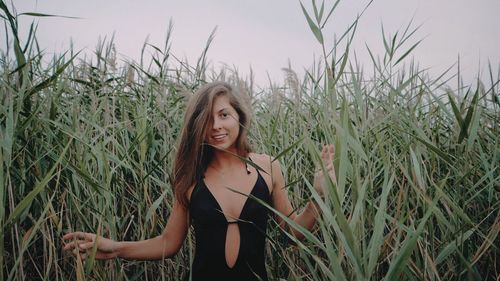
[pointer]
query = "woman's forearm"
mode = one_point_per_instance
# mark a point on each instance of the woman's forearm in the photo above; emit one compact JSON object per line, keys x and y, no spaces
{"x":163,"y":246}
{"x":306,"y":219}
{"x":151,"y":249}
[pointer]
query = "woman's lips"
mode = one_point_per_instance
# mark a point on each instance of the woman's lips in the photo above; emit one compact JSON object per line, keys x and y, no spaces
{"x":219,"y":137}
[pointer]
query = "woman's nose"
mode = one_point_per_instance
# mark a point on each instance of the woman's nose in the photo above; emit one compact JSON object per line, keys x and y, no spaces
{"x":216,"y":125}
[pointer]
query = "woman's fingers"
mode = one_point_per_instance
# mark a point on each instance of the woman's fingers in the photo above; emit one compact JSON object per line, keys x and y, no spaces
{"x":73,"y":244}
{"x":75,"y":249}
{"x":83,"y":255}
{"x":80,"y":242}
{"x":327,"y":156}
{"x":79,"y":235}
{"x":327,"y":153}
{"x":86,"y":246}
{"x":331,"y":152}
{"x":69,"y":236}
{"x":79,"y":247}
{"x":324,"y":152}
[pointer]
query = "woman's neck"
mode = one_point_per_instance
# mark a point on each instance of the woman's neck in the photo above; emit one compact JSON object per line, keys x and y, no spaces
{"x":225,"y":160}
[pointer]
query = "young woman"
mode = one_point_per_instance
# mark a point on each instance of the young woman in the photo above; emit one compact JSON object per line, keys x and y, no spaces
{"x":214,"y":189}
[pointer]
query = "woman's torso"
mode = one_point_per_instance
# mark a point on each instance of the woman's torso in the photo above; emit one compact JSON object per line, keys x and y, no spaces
{"x":211,"y":226}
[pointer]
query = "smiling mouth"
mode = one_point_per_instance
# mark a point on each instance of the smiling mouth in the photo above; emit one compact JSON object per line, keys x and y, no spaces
{"x":219,"y":137}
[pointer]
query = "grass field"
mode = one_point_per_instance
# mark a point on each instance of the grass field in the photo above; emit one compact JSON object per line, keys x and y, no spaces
{"x":87,"y":143}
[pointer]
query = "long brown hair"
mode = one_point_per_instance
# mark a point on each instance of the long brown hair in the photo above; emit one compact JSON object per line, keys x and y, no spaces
{"x":193,"y":155}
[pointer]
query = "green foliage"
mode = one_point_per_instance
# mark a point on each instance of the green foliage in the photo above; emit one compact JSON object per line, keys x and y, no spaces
{"x":88,"y":145}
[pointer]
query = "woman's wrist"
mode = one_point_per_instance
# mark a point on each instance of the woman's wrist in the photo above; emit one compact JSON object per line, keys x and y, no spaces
{"x":117,"y":249}
{"x":313,"y":208}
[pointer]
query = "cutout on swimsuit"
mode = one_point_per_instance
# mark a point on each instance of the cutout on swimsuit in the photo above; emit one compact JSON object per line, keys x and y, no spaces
{"x":227,"y":245}
{"x":232,"y":241}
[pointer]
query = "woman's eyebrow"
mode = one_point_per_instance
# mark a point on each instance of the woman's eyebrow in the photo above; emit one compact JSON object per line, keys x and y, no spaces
{"x":222,"y":109}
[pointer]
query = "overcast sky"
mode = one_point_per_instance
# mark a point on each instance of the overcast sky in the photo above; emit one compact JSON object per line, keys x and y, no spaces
{"x":265,"y":34}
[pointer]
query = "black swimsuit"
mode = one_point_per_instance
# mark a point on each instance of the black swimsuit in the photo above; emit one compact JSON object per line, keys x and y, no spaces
{"x":210,"y":227}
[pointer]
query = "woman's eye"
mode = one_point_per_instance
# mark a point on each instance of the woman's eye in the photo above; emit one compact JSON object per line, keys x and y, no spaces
{"x":224,"y":115}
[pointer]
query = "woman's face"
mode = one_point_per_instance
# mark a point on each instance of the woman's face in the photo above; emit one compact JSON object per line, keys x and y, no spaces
{"x":224,"y":127}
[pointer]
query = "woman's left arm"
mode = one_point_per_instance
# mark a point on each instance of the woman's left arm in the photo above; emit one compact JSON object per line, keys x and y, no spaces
{"x":281,"y":202}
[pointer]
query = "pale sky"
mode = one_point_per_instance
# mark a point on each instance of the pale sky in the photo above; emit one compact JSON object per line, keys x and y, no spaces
{"x":265,"y":34}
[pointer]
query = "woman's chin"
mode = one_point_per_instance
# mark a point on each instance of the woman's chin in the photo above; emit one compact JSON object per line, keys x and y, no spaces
{"x":223,"y":147}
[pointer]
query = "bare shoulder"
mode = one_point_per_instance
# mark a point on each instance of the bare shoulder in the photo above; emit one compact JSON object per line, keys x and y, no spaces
{"x":264,"y":161}
{"x":271,"y":169}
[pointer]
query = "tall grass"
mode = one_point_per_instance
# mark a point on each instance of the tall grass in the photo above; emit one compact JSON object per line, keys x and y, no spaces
{"x":87,"y":143}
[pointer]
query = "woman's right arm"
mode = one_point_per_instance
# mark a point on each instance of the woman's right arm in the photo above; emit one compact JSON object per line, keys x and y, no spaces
{"x":163,"y":246}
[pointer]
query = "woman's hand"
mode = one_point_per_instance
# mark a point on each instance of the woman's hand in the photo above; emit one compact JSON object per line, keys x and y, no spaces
{"x":82,"y":244}
{"x":320,"y":184}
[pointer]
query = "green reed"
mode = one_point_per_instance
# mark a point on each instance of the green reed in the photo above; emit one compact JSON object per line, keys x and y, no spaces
{"x":87,"y":143}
